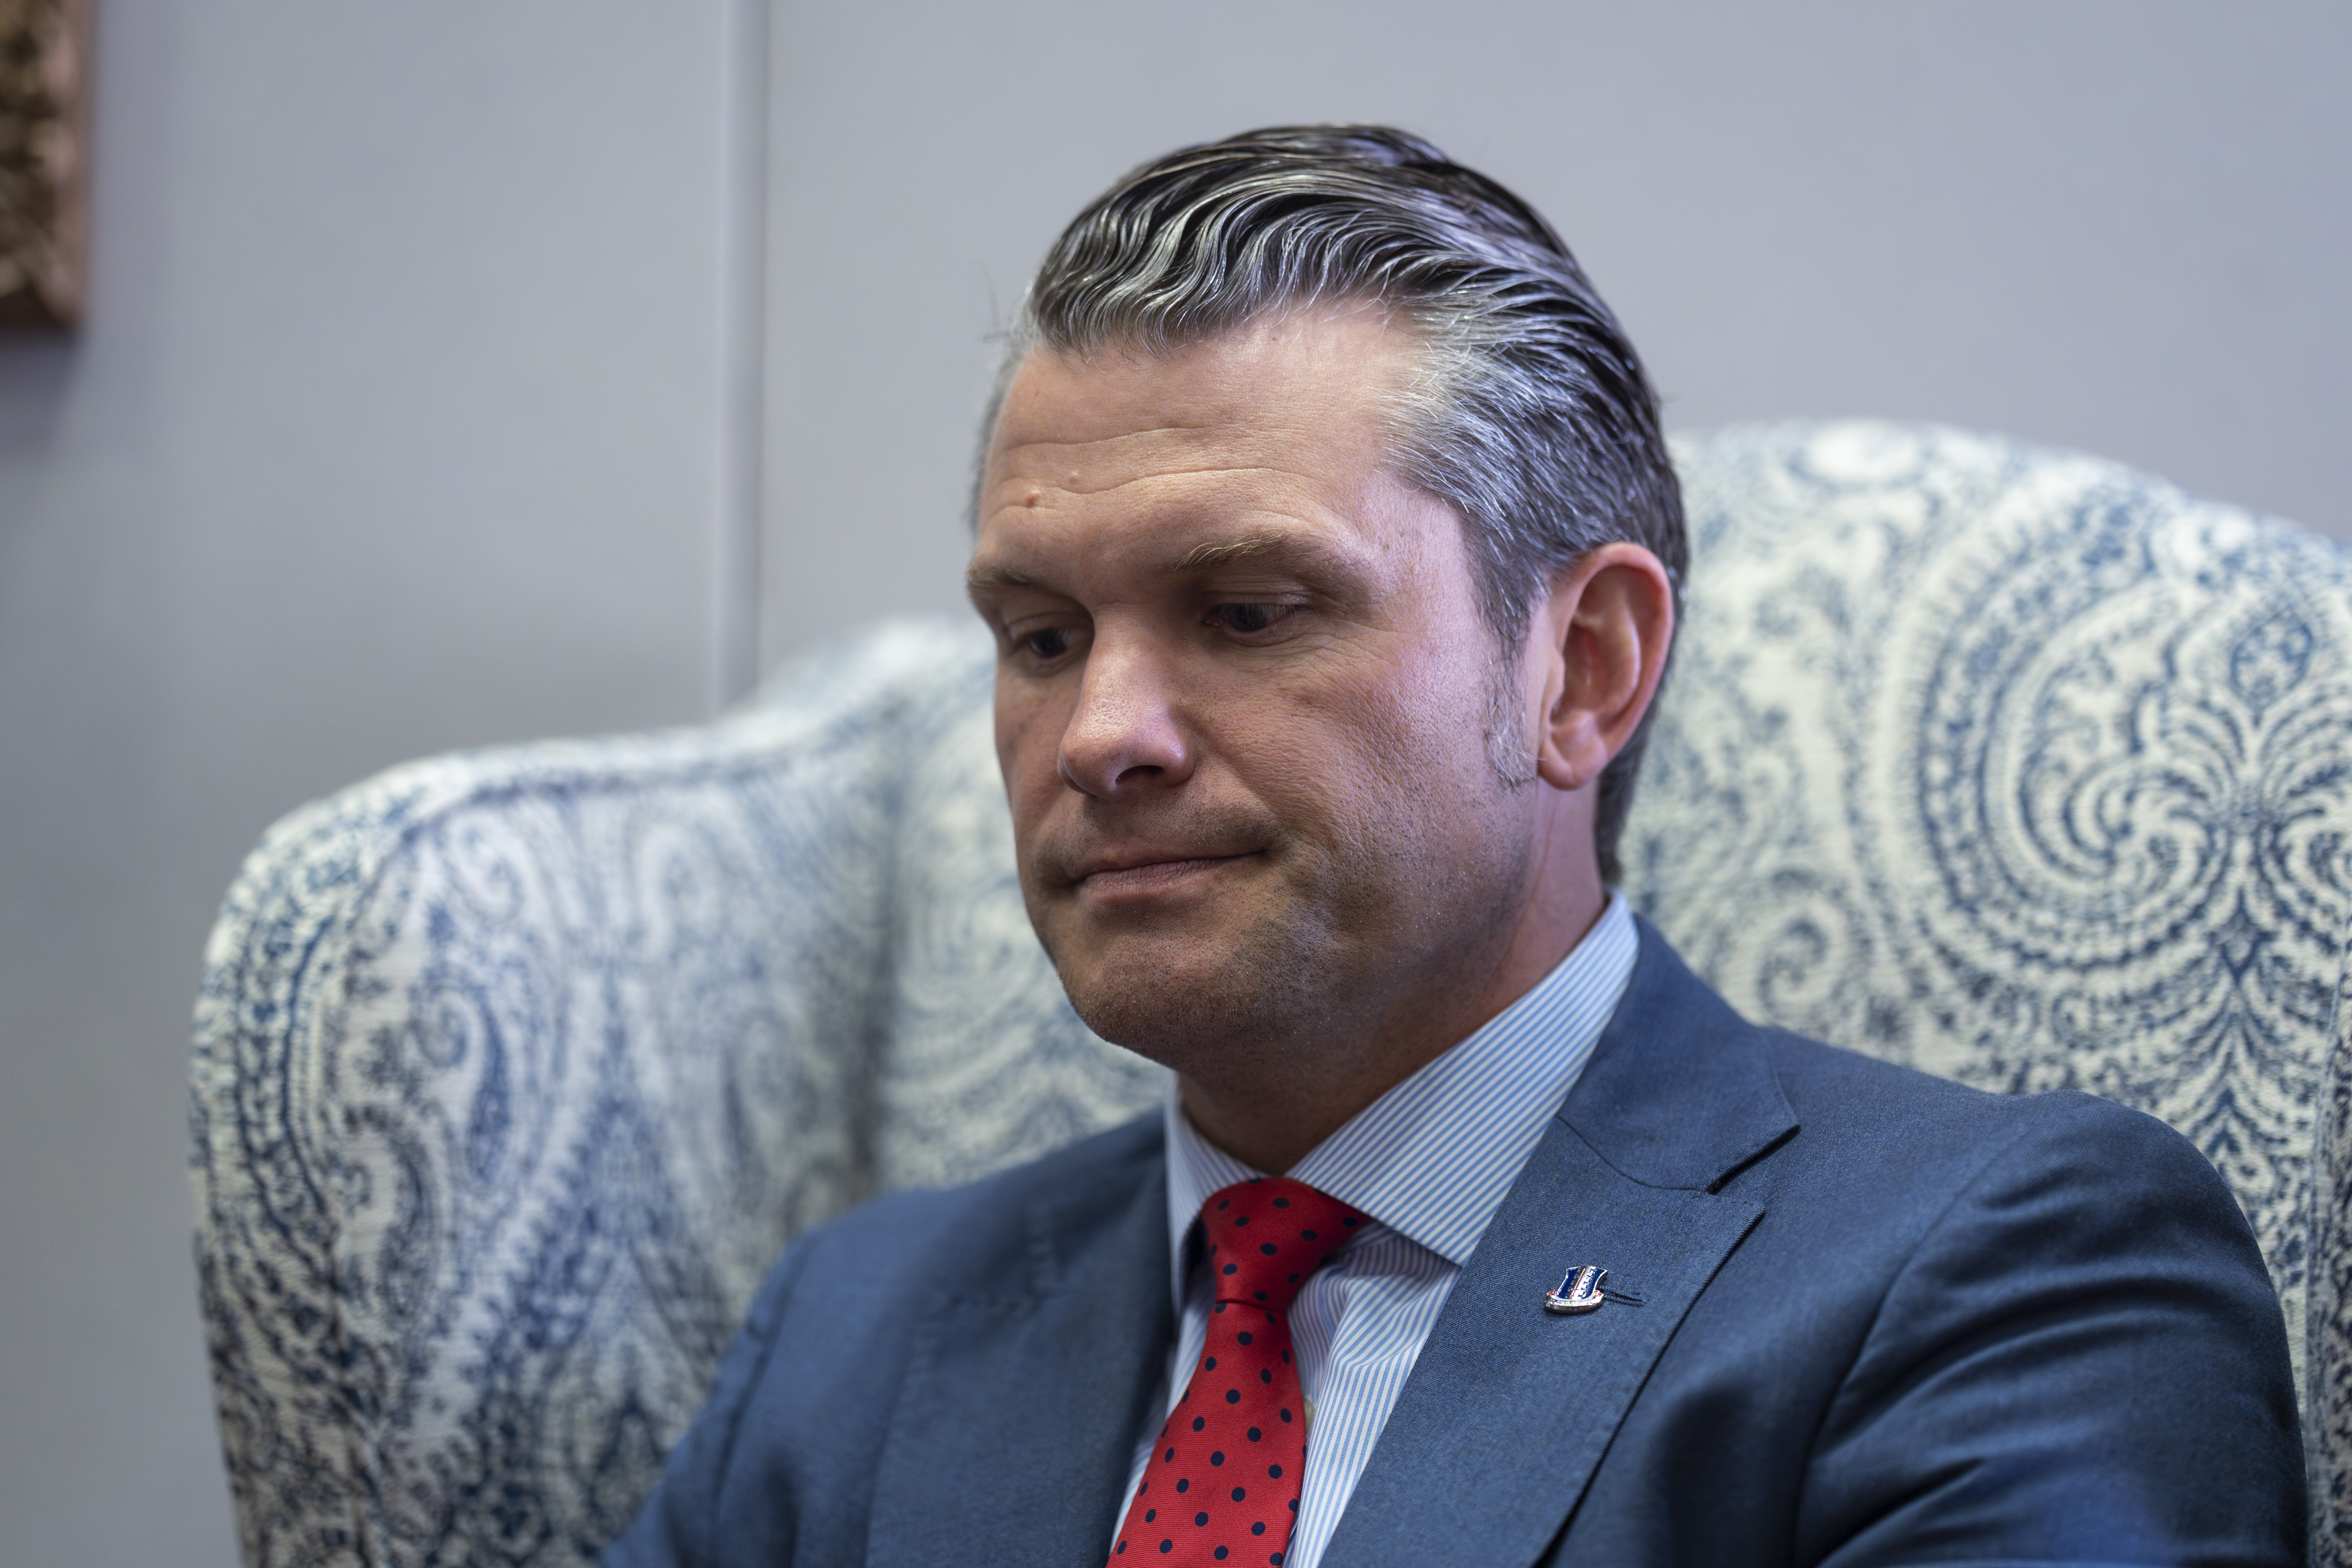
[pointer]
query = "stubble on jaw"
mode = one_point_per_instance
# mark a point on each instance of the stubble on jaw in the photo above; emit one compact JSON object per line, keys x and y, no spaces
{"x":1306,"y":977}
{"x":1254,"y":1008}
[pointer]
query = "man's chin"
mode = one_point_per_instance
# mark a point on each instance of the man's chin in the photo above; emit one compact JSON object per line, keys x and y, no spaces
{"x":1168,"y":998}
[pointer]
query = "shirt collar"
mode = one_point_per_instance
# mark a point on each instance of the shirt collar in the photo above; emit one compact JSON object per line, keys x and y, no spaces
{"x":1434,"y":1158}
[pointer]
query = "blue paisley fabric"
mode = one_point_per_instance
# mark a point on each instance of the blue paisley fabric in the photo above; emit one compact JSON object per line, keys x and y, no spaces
{"x":515,"y":1069}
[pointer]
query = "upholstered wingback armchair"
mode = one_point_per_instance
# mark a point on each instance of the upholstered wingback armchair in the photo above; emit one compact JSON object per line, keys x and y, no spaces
{"x":515,"y":1069}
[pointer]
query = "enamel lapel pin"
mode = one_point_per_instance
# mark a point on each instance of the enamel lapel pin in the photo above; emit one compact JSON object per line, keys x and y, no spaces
{"x":1582,"y":1291}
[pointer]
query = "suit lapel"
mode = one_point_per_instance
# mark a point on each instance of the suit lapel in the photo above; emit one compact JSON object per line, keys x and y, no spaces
{"x":1015,"y":1427}
{"x":1509,"y":1407}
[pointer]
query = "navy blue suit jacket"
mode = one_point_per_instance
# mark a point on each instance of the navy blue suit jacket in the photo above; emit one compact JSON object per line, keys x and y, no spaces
{"x":1884,"y":1319}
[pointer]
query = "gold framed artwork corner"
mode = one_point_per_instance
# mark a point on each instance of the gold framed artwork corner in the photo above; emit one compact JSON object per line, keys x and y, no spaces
{"x":44,"y":133}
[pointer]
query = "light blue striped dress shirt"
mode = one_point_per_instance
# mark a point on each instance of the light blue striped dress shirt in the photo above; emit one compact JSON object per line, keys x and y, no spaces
{"x":1429,"y":1162}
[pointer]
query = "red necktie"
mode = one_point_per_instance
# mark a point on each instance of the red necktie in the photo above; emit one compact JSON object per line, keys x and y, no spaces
{"x":1222,"y":1483}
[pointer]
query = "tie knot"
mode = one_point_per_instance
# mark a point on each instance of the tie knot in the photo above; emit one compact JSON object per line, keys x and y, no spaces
{"x":1266,"y":1237}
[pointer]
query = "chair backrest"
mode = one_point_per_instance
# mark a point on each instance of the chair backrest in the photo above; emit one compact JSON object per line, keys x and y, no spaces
{"x":515,"y":1069}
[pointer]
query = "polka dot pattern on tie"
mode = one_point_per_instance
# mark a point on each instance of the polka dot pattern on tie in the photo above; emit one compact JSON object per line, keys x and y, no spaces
{"x":1238,"y":1416}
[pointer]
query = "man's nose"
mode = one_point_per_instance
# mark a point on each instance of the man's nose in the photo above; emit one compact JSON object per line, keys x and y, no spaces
{"x":1124,"y":736}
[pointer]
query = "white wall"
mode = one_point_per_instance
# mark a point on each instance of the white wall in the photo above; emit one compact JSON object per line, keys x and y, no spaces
{"x":2114,"y":225}
{"x":397,"y":424}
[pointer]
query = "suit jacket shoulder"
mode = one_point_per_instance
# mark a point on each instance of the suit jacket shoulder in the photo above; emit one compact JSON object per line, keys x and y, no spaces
{"x":1884,"y":1319}
{"x":1024,"y":1304}
{"x":1013,"y":1234}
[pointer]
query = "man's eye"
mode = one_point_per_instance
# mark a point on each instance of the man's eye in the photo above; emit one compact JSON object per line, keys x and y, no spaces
{"x":1046,"y":645}
{"x":1248,"y":618}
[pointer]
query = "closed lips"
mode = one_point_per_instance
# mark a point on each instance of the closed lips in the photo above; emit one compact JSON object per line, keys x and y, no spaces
{"x":1142,"y":868}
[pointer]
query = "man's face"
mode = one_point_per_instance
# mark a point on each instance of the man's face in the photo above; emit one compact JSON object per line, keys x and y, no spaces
{"x":1243,"y":694}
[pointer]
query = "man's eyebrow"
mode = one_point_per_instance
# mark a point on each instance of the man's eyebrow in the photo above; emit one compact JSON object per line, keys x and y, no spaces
{"x":1199,"y":558}
{"x":992,"y":576}
{"x":1217,"y":552}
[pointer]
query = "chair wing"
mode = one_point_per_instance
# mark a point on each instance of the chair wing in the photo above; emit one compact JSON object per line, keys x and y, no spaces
{"x":514,"y":1070}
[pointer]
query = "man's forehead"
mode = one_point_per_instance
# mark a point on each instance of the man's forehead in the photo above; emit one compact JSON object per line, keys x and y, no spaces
{"x":1082,"y":450}
{"x":1274,"y":379}
{"x":1264,"y":447}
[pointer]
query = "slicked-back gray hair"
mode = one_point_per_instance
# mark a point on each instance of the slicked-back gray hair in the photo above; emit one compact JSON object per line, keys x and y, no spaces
{"x":1532,"y":417}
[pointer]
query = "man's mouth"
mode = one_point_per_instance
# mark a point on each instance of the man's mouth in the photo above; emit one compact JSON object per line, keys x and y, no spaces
{"x":1147,"y":873}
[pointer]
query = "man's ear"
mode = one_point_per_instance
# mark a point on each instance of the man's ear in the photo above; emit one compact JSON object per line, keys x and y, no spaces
{"x":1600,"y":638}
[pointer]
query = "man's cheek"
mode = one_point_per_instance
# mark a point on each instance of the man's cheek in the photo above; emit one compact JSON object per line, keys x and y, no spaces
{"x":1028,"y":756}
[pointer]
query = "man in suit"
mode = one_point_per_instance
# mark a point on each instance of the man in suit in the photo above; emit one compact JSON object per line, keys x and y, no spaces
{"x":1334,"y":558}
